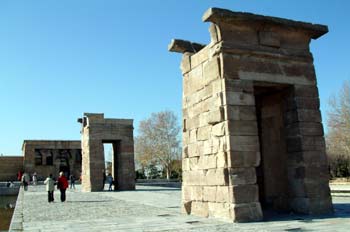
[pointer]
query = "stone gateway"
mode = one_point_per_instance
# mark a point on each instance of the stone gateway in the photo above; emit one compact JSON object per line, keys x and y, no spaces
{"x":252,"y":129}
{"x":96,"y":130}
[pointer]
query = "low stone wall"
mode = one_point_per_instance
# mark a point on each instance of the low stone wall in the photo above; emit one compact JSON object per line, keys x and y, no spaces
{"x":159,"y":182}
{"x":5,"y":191}
{"x":9,"y":167}
{"x":17,"y":218}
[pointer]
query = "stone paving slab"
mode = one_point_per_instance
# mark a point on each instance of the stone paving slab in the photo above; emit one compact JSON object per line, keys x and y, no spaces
{"x":150,"y":209}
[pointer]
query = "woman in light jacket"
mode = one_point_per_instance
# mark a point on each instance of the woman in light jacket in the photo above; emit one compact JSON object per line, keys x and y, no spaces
{"x":50,"y":187}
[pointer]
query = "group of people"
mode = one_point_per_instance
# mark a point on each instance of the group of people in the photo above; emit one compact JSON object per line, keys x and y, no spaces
{"x":62,"y":185}
{"x":24,"y":178}
{"x":50,"y":182}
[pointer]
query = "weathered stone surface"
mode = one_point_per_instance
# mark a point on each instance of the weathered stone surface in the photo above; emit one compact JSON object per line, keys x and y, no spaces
{"x":243,"y":193}
{"x":251,"y":95}
{"x":49,"y":157}
{"x":10,"y":165}
{"x":243,"y":158}
{"x":239,"y":127}
{"x":239,"y":99}
{"x":200,"y":208}
{"x":247,"y":212}
{"x":182,"y":46}
{"x":244,"y":143}
{"x":216,"y":116}
{"x":119,"y":132}
{"x":211,"y":70}
{"x":304,"y":128}
{"x":209,"y":193}
{"x":243,"y":113}
{"x":241,"y":176}
{"x":269,"y":38}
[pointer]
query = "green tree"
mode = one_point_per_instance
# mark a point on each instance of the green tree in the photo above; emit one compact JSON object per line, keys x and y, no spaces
{"x":158,"y":142}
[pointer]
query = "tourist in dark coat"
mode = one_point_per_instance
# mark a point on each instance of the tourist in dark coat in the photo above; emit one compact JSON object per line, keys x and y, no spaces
{"x":62,"y":185}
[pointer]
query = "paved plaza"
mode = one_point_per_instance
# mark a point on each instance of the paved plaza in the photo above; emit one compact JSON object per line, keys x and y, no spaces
{"x":148,"y":209}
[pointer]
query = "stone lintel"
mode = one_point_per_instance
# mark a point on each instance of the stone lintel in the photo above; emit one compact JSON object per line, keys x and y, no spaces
{"x":182,"y":46}
{"x":218,"y":16}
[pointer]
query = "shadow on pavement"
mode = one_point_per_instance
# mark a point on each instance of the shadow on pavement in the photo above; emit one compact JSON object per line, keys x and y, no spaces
{"x":341,"y":210}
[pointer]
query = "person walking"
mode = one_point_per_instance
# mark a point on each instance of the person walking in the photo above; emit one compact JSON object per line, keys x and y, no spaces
{"x":25,"y":181}
{"x":72,"y":181}
{"x":104,"y":179}
{"x":35,"y":179}
{"x":110,"y":181}
{"x":62,"y":185}
{"x":50,"y":188}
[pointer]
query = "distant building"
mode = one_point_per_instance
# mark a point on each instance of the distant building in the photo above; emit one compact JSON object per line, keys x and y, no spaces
{"x":52,"y":156}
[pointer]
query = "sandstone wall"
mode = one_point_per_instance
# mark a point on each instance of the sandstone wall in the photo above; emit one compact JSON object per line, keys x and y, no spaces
{"x":53,"y":147}
{"x":9,"y":167}
{"x":221,"y":148}
{"x":95,"y":132}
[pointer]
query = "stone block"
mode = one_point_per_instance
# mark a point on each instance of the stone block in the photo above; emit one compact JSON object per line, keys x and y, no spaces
{"x":186,"y":63}
{"x":243,"y":159}
{"x":321,"y":205}
{"x":302,"y":115}
{"x":296,"y":187}
{"x":239,"y":99}
{"x":200,"y":57}
{"x":203,"y":119}
{"x":239,"y":86}
{"x":244,"y":113}
{"x":218,"y":86}
{"x":203,"y":133}
{"x":243,"y":143}
{"x":247,"y":212}
{"x":221,"y":161}
{"x":269,"y":38}
{"x":241,"y":176}
{"x":214,"y":177}
{"x":294,"y":70}
{"x":192,"y":123}
{"x":219,"y":129}
{"x":197,"y":193}
{"x":209,"y":193}
{"x":184,"y":151}
{"x":306,"y":91}
{"x":316,"y":188}
{"x":216,"y":101}
{"x":304,"y":128}
{"x":319,"y":172}
{"x":193,"y":135}
{"x":239,"y":127}
{"x":200,"y":208}
{"x":300,"y":205}
{"x":305,"y":143}
{"x":193,"y":150}
{"x":194,"y":163}
{"x":213,"y":30}
{"x":216,"y":116}
{"x":186,"y":207}
{"x":186,"y":192}
{"x":303,"y":103}
{"x":219,"y":210}
{"x":311,"y":158}
{"x":185,"y":164}
{"x":207,"y":162}
{"x":243,"y":193}
{"x":211,"y":70}
{"x":223,"y":194}
{"x":229,"y":66}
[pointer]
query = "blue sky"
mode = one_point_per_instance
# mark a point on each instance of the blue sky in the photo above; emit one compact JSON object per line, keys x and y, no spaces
{"x":59,"y":59}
